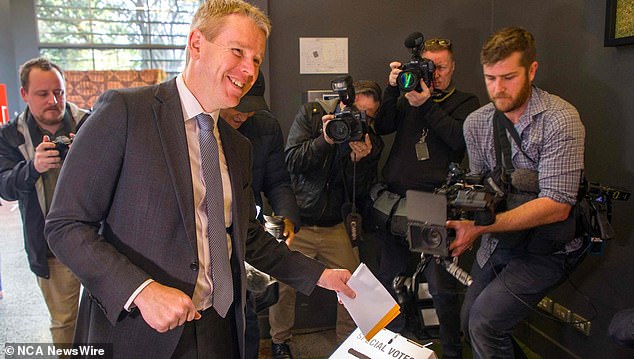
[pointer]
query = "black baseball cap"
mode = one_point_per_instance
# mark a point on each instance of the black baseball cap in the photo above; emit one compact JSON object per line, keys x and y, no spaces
{"x":254,"y":99}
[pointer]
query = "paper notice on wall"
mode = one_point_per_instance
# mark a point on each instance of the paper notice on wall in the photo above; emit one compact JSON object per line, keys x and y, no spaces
{"x":323,"y":55}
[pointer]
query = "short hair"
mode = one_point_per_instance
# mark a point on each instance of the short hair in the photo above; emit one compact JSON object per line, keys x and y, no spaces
{"x":211,"y":15}
{"x":369,"y":88}
{"x":438,"y":44}
{"x":505,"y":42}
{"x":41,"y":63}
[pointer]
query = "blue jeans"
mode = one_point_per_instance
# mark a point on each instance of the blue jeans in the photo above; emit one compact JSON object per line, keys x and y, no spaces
{"x":491,"y":307}
{"x":394,"y":258}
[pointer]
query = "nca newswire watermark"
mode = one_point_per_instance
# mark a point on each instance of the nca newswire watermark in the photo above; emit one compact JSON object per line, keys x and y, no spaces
{"x":50,"y":350}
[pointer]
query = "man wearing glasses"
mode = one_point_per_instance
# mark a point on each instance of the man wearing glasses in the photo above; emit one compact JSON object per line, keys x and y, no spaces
{"x":29,"y":167}
{"x":428,"y":126}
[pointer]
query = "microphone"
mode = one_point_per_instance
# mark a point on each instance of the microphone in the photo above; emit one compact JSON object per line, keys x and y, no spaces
{"x":414,"y":39}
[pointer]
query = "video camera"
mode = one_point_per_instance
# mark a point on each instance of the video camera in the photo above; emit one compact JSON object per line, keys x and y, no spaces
{"x":349,"y":124}
{"x":418,"y":68}
{"x":462,"y":197}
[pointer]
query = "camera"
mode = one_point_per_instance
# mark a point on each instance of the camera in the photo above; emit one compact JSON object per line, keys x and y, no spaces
{"x":350,"y":124}
{"x":418,"y":68}
{"x":462,"y":197}
{"x":62,"y":144}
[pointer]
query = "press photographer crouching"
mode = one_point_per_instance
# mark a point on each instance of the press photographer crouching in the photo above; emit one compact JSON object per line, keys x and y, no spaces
{"x":428,"y":125}
{"x":532,"y":244}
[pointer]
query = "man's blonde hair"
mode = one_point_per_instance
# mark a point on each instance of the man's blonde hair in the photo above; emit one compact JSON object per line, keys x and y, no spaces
{"x":211,"y":16}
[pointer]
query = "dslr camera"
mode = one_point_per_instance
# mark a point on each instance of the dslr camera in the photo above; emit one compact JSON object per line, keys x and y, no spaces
{"x":418,"y":68}
{"x":349,"y":124}
{"x":62,"y":144}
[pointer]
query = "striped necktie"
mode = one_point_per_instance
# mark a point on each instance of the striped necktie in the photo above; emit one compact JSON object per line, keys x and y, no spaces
{"x":222,"y":295}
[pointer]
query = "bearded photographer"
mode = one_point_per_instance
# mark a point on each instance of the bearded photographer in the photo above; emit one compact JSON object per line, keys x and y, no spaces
{"x":530,"y":246}
{"x":428,"y":126}
{"x":322,"y":179}
{"x":29,"y":168}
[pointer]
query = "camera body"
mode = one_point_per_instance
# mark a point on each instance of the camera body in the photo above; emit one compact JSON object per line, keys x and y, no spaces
{"x":462,"y":197}
{"x":62,"y":144}
{"x":418,"y":68}
{"x":349,"y":124}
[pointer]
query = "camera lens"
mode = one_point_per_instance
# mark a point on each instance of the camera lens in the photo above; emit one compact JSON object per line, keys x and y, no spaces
{"x":432,"y":237}
{"x":407,"y":80}
{"x":338,"y":130}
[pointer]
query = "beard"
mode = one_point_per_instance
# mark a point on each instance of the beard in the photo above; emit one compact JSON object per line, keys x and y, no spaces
{"x":504,"y":102}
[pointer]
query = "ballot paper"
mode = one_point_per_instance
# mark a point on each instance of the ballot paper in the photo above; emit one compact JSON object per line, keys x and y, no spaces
{"x":373,"y":308}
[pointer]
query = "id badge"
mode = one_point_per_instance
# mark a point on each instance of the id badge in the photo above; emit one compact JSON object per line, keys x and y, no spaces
{"x":422,"y":151}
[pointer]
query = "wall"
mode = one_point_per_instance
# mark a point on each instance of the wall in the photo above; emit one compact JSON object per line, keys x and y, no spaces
{"x":17,"y":22}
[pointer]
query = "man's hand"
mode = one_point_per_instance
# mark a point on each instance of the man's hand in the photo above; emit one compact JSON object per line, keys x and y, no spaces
{"x":360,"y":149}
{"x":336,"y":279}
{"x":395,"y":69}
{"x":415,"y":98}
{"x":45,"y":156}
{"x":325,"y":120}
{"x":164,"y":308}
{"x":466,"y":233}
{"x":289,"y":231}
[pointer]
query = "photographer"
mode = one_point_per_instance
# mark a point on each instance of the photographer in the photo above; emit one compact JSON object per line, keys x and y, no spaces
{"x":528,"y":249}
{"x":428,"y":127}
{"x":321,"y":176}
{"x":29,"y":167}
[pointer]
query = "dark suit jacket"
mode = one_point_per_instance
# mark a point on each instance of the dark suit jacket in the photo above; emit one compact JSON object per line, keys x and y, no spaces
{"x":123,"y":212}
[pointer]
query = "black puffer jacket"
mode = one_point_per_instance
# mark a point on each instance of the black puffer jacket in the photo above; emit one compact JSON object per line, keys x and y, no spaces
{"x":321,"y":173}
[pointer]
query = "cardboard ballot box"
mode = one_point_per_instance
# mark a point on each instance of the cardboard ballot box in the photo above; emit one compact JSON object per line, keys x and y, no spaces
{"x":385,"y":344}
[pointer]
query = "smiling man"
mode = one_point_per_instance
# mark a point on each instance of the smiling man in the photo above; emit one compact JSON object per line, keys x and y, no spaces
{"x":154,"y":211}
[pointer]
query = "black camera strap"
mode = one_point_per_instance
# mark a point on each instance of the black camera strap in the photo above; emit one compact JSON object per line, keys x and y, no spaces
{"x":501,"y":125}
{"x":503,"y":153}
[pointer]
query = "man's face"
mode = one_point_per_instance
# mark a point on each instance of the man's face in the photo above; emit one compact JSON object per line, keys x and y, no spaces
{"x":234,"y":117}
{"x":509,"y":83}
{"x":46,"y":96}
{"x":365,"y":102}
{"x":224,"y":69}
{"x":445,"y":67}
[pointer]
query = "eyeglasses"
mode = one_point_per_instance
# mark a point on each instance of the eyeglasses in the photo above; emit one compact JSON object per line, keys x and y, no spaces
{"x":445,"y":43}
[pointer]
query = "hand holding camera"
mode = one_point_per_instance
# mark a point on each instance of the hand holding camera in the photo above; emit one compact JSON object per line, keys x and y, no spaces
{"x":50,"y":154}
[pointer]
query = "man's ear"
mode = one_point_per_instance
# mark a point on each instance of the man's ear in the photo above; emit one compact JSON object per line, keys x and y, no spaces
{"x":194,"y":42}
{"x":532,"y":70}
{"x":23,"y":93}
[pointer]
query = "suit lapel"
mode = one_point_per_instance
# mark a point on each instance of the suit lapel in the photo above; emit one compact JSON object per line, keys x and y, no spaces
{"x":168,"y":115}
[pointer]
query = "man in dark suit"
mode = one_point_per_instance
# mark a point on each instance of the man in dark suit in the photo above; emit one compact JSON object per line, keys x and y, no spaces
{"x":148,"y":190}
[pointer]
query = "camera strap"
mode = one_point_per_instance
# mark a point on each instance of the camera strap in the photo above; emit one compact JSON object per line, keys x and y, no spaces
{"x":501,"y":125}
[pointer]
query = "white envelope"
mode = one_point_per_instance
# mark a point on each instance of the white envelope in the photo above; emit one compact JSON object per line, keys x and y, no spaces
{"x":373,"y":308}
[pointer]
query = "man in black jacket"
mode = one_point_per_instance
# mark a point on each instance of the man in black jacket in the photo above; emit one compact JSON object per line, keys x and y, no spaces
{"x":29,"y":167}
{"x":321,"y":174}
{"x":253,"y":119}
{"x":428,"y":127}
